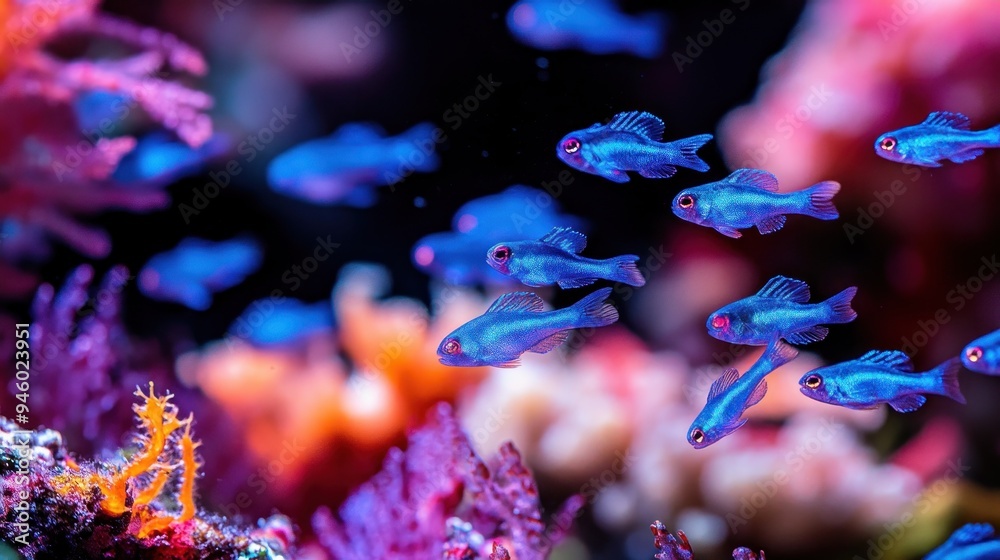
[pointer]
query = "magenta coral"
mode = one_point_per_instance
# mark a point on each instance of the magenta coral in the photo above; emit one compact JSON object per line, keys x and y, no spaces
{"x":438,"y":498}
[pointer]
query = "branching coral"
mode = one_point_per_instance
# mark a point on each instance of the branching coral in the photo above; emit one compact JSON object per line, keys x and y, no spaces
{"x":83,"y":360}
{"x":51,"y":508}
{"x":49,"y":167}
{"x":439,"y":496}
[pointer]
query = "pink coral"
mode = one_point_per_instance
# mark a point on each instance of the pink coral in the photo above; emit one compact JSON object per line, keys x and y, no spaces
{"x":439,"y":496}
{"x":49,"y":168}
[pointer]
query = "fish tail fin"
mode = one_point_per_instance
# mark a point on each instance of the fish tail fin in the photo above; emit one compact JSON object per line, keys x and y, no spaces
{"x":839,"y":306}
{"x":594,"y":312}
{"x":689,"y":151}
{"x":819,"y":201}
{"x":422,"y":135}
{"x":625,"y":271}
{"x":947,"y":373}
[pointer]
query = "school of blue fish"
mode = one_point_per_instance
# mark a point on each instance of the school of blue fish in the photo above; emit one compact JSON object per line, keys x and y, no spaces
{"x":780,"y":314}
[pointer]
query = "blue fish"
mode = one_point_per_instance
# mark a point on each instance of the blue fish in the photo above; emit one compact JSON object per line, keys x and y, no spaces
{"x":345,"y":167}
{"x":555,"y":259}
{"x":983,"y":354}
{"x":781,"y":309}
{"x":270,"y":322}
{"x":973,"y":541}
{"x":595,"y":26}
{"x":731,"y":394}
{"x":191,"y":272}
{"x":881,"y":376}
{"x":750,"y":197}
{"x":159,"y":160}
{"x":517,"y":323}
{"x":943,"y":135}
{"x":632,"y":141}
{"x":516,"y":214}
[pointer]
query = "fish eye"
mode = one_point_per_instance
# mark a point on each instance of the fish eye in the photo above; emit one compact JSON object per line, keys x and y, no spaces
{"x":888,"y":143}
{"x":452,"y":347}
{"x":974,"y":354}
{"x":697,"y":435}
{"x":720,"y":322}
{"x":685,"y":201}
{"x":571,"y":146}
{"x":813,"y":381}
{"x":501,"y":253}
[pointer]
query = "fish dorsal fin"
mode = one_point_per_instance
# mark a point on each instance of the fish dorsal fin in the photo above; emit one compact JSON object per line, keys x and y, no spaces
{"x":358,"y":132}
{"x":958,"y":121}
{"x":725,"y":381}
{"x":971,"y":533}
{"x":517,"y":302}
{"x":758,"y":393}
{"x":753,"y":178}
{"x":639,"y":122}
{"x":889,"y":358}
{"x":782,"y":287}
{"x":566,"y":239}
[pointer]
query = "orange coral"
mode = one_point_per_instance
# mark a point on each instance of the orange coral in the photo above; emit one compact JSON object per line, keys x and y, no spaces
{"x":158,"y":422}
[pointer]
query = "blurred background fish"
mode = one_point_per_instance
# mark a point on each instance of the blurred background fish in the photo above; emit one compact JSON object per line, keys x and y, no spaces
{"x":348,"y":165}
{"x":599,"y":28}
{"x":197,"y":268}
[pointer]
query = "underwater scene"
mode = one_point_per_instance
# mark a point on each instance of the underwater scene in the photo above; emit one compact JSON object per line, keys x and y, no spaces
{"x":500,"y":280}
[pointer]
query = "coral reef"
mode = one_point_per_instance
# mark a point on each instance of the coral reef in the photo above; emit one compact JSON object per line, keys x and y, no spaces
{"x":140,"y":505}
{"x":439,"y":495}
{"x":303,"y":405}
{"x":51,"y":168}
{"x":83,"y":360}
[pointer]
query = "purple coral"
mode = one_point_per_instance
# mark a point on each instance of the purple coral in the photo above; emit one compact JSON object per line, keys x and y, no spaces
{"x":669,"y":547}
{"x":440,"y":499}
{"x":82,"y":361}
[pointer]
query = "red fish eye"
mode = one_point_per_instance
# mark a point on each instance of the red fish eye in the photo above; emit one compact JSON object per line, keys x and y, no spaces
{"x":452,"y":347}
{"x":974,"y":354}
{"x":720,"y":322}
{"x":571,"y":146}
{"x":686,"y":201}
{"x":697,"y":435}
{"x":888,"y":143}
{"x":813,"y":381}
{"x":501,"y":253}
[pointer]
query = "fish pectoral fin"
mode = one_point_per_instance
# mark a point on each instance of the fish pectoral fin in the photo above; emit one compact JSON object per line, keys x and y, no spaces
{"x":770,"y":225}
{"x":758,"y":394}
{"x":966,"y":155}
{"x":576,"y":282}
{"x":551,"y":343}
{"x":516,"y":362}
{"x":812,"y":334}
{"x":908,"y":403}
{"x":729,"y":232}
{"x":608,"y":172}
{"x":659,"y":172}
